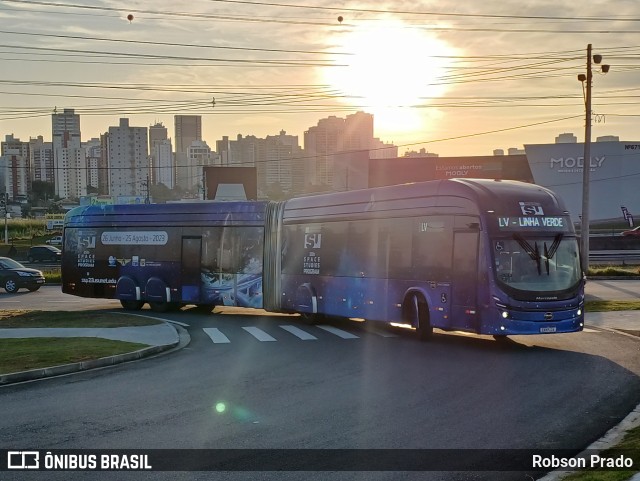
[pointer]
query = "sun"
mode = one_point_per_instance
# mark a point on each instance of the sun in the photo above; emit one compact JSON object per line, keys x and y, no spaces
{"x":392,"y":71}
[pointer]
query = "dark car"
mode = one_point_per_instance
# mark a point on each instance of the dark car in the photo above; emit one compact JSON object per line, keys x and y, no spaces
{"x":44,"y":253}
{"x":14,"y":276}
{"x":635,"y":232}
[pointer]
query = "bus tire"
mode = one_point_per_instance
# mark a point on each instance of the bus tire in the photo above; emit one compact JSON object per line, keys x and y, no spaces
{"x":130,"y":305}
{"x":306,"y":300}
{"x":419,"y":317}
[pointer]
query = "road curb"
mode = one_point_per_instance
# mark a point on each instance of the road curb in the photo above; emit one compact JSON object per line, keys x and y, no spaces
{"x":46,"y":372}
{"x":610,"y":439}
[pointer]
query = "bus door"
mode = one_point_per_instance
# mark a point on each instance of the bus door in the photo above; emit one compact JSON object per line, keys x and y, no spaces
{"x":464,"y":280}
{"x":190,"y":269}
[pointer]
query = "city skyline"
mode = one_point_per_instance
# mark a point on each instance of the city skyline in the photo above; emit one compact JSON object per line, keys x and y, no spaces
{"x":483,"y":76}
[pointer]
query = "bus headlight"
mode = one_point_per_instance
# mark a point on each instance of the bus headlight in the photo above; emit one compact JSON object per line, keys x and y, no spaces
{"x":505,"y":314}
{"x":579,"y":312}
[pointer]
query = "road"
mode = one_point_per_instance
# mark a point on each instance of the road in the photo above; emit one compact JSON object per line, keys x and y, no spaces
{"x":364,"y":390}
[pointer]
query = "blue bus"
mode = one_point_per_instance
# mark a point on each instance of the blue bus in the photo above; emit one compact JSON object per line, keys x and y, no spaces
{"x":483,"y":256}
{"x":166,"y":255}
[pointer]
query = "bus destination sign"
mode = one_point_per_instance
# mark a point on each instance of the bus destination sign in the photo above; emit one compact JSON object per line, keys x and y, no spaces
{"x":553,"y":223}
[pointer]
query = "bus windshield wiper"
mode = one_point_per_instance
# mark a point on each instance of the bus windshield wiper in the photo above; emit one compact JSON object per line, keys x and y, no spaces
{"x":534,"y":252}
{"x":549,"y":253}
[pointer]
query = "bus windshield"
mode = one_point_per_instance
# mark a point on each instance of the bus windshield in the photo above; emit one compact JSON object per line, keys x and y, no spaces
{"x":536,"y":268}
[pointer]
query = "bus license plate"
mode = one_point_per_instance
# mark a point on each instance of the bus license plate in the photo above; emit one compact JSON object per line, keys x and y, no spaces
{"x":548,"y":329}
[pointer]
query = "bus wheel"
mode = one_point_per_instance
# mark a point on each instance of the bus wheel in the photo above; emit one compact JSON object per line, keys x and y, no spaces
{"x":131,"y":305}
{"x":500,"y":337}
{"x":420,"y":317}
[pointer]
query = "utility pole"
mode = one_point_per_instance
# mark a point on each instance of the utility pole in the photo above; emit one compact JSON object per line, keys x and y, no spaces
{"x":586,"y":163}
{"x":5,"y":210}
{"x":586,"y":166}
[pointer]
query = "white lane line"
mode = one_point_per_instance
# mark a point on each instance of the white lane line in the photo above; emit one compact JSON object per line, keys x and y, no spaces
{"x":259,"y":334}
{"x":338,"y":332}
{"x":215,"y":335}
{"x":586,"y":329}
{"x":299,"y":333}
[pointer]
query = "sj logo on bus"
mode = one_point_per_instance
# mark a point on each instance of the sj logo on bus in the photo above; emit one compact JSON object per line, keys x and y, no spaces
{"x":312,"y":241}
{"x":531,"y":208}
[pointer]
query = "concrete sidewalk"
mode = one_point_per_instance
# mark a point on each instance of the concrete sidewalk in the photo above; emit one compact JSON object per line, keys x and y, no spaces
{"x":161,"y":334}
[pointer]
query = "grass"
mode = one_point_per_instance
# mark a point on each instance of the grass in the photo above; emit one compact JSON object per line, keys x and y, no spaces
{"x":31,"y":319}
{"x":607,"y":306}
{"x":32,"y":353}
{"x":629,"y":444}
{"x":25,"y":354}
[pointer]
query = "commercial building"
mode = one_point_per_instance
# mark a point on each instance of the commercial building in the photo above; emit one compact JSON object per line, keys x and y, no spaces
{"x":614,"y":176}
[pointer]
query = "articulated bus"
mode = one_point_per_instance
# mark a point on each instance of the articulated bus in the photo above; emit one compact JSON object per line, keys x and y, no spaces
{"x":489,"y":257}
{"x":166,"y":255}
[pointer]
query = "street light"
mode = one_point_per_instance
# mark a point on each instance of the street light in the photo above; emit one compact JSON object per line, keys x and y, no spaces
{"x":586,"y":163}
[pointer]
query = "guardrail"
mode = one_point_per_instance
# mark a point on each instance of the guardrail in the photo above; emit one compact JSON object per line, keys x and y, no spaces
{"x":615,"y":257}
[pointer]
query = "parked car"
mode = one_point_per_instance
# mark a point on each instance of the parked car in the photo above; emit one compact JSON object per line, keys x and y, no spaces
{"x":44,"y":253}
{"x":14,"y":276}
{"x":55,"y":241}
{"x":635,"y":232}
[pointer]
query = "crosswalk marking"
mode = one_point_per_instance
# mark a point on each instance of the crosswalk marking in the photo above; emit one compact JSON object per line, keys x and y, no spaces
{"x":299,"y":333}
{"x":259,"y":334}
{"x":338,"y":332}
{"x":215,"y":335}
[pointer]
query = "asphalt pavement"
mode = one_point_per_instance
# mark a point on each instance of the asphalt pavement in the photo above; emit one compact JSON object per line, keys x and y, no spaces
{"x":166,"y":336}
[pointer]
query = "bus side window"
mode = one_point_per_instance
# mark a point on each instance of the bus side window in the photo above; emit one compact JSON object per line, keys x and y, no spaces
{"x":432,"y":247}
{"x":400,"y":248}
{"x":362,"y":249}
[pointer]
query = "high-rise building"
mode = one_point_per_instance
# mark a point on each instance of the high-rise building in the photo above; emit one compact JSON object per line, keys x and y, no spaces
{"x":320,"y":143}
{"x":188,"y":129}
{"x":103,"y":166}
{"x":41,"y":160}
{"x":337,"y":152}
{"x":128,"y":160}
{"x":68,"y":158}
{"x":14,"y":167}
{"x":163,"y":168}
{"x":93,"y":155}
{"x":162,"y":158}
{"x":274,"y":159}
{"x":199,"y":155}
{"x":282,"y":152}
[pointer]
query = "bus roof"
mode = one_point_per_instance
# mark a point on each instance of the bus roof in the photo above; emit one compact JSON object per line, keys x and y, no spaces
{"x":447,"y":196}
{"x":183,"y":214}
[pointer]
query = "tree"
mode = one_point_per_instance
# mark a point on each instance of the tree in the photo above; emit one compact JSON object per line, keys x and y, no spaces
{"x":41,"y":191}
{"x":161,"y":193}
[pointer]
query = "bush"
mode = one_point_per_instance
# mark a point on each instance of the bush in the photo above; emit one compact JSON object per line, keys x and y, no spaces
{"x":614,"y":271}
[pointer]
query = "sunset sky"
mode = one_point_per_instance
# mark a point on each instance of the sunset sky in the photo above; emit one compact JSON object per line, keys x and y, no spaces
{"x":454,"y":78}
